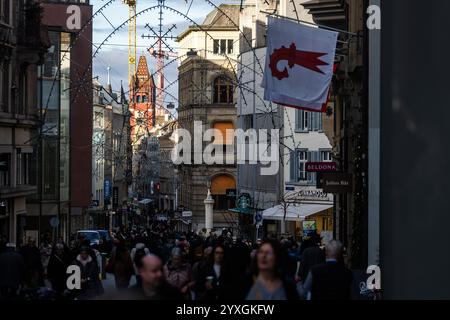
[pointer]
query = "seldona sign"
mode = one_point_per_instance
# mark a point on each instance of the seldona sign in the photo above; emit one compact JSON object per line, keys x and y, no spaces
{"x":321,"y":166}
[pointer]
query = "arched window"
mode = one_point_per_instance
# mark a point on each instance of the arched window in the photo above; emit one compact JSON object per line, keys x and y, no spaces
{"x":223,"y":90}
{"x":138,"y":99}
{"x":144,"y":99}
{"x":220,"y":186}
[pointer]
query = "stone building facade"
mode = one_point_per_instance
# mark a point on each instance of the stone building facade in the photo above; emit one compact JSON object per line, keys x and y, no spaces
{"x":207,"y":94}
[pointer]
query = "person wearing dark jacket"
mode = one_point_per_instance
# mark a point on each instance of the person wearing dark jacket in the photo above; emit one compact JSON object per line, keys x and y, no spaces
{"x":269,"y":282}
{"x":34,"y":272}
{"x":313,"y":255}
{"x":122,"y":266}
{"x":12,"y":272}
{"x":57,"y":268}
{"x":212,"y":282}
{"x":198,"y":271}
{"x":154,"y":286}
{"x":330,"y":280}
{"x":91,"y":285}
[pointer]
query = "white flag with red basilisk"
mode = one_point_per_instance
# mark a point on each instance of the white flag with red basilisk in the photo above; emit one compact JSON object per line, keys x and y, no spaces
{"x":299,"y":64}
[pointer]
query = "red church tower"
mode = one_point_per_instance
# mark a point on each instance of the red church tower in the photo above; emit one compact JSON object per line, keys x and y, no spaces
{"x":142,"y":101}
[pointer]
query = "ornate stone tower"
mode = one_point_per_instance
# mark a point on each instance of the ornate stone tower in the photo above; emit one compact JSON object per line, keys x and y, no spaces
{"x":142,"y":102}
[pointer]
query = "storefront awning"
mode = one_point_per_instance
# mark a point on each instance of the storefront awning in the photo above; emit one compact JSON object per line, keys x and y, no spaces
{"x":242,"y":210}
{"x":245,"y":210}
{"x":294,"y":213}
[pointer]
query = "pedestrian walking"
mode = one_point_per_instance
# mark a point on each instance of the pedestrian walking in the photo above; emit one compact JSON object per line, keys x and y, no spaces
{"x":153,"y":286}
{"x":45,"y":250}
{"x":211,"y":284}
{"x":311,"y":256}
{"x":330,"y":280}
{"x":178,"y":273}
{"x":121,"y":266}
{"x":12,"y":272}
{"x":91,"y":285}
{"x":34,"y":274}
{"x":268,"y":278}
{"x":57,"y":268}
{"x":137,"y":253}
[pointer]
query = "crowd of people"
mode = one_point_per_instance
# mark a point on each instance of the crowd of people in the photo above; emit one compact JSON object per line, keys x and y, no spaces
{"x":169,"y":265}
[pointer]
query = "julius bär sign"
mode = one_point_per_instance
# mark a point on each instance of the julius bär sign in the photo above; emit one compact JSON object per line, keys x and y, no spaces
{"x":321,"y":166}
{"x":335,"y":182}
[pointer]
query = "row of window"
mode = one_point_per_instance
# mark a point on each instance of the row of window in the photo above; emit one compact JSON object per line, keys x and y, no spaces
{"x":141,"y":99}
{"x":298,"y":161}
{"x":23,"y":165}
{"x":223,"y":46}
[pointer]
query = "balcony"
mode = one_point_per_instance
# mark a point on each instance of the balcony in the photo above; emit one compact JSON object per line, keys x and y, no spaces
{"x":18,"y":191}
{"x":331,"y":13}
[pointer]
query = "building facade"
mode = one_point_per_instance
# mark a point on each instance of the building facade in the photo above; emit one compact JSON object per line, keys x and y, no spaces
{"x":110,"y":140}
{"x":167,"y":177}
{"x":23,"y":43}
{"x":349,"y":136}
{"x":207,"y":100}
{"x":303,"y":135}
{"x":64,"y":148}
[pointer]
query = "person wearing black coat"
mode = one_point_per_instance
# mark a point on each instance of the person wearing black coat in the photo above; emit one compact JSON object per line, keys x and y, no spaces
{"x":34,"y":271}
{"x":91,"y":285}
{"x":57,"y":269}
{"x":211,"y":284}
{"x":12,"y":272}
{"x":330,"y":280}
{"x":313,"y":255}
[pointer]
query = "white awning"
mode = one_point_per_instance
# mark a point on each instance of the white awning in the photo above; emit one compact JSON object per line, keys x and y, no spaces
{"x":294,"y":212}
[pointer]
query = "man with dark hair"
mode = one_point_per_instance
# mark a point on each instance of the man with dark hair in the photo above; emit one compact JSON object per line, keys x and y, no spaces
{"x":311,"y":256}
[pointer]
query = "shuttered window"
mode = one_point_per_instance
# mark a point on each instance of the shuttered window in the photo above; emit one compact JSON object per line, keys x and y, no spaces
{"x":308,"y":121}
{"x":298,"y":160}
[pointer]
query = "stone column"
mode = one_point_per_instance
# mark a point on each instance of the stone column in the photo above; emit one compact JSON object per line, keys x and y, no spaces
{"x":209,"y":214}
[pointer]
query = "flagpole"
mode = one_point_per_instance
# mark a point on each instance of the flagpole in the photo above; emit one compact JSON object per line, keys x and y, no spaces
{"x":310,"y":23}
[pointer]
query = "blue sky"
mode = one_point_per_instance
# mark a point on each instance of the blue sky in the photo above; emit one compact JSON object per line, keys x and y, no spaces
{"x":115,"y":51}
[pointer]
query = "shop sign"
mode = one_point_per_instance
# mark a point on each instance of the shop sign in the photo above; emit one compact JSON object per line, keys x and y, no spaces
{"x":309,"y":227}
{"x":321,"y":166}
{"x":107,"y":191}
{"x":335,"y":182}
